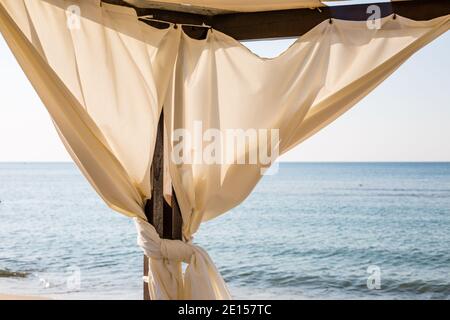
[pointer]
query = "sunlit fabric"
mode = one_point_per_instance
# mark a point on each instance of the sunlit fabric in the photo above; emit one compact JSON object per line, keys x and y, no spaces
{"x":104,"y":77}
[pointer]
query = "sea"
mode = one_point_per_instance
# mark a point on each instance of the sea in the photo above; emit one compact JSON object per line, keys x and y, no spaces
{"x":311,"y":231}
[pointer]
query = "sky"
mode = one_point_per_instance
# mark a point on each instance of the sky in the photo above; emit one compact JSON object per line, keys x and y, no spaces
{"x":407,"y":118}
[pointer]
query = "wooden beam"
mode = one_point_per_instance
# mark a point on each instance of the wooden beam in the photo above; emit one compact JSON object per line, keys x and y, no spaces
{"x":154,"y":208}
{"x":158,"y":180}
{"x":294,"y":23}
{"x":177,"y":220}
{"x":290,"y":23}
{"x":164,"y":217}
{"x":146,"y":292}
{"x":149,"y":214}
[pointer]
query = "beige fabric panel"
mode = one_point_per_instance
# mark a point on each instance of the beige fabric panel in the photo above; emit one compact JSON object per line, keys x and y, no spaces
{"x":223,"y":85}
{"x":60,"y":93}
{"x":109,"y":63}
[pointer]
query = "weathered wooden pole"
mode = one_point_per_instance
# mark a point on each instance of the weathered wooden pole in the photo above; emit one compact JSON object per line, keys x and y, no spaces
{"x":164,"y":217}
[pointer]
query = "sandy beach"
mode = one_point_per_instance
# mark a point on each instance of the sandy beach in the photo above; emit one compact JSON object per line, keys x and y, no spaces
{"x":15,"y":297}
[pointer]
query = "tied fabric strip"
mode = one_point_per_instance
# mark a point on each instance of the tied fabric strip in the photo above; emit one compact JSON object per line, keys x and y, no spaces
{"x":201,"y":279}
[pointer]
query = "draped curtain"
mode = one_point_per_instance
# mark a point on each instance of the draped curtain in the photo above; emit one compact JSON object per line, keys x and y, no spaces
{"x":105,"y":77}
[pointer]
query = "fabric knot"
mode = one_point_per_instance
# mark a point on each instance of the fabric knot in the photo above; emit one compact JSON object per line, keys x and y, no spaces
{"x":157,"y":248}
{"x":176,"y":250}
{"x":200,"y":281}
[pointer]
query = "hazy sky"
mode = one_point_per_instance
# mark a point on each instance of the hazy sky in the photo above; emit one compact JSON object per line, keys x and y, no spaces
{"x":407,"y":118}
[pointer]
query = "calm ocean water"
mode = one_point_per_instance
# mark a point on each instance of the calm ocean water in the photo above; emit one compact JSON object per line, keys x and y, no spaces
{"x":311,"y":231}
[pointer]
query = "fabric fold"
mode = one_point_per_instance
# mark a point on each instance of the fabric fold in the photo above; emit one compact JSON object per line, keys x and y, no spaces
{"x":221,"y":85}
{"x":82,"y":138}
{"x":200,"y":281}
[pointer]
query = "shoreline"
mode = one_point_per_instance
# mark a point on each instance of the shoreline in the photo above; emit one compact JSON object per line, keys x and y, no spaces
{"x":20,"y":297}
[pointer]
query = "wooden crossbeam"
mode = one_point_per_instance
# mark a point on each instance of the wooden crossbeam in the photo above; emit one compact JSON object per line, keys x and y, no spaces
{"x":289,"y":23}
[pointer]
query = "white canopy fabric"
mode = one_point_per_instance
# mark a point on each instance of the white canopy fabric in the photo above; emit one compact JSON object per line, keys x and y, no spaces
{"x":105,"y":76}
{"x":323,"y":74}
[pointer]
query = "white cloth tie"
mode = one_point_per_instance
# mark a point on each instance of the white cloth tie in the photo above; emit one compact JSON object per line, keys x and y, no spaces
{"x":200,"y":281}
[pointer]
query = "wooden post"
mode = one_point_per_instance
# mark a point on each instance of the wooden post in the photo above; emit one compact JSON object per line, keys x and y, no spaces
{"x":157,"y":178}
{"x":177,"y":220}
{"x":164,"y":217}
